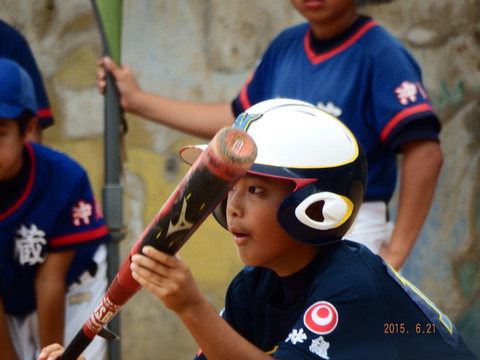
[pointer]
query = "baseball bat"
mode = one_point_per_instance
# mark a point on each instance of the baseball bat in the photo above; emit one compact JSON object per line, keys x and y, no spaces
{"x":227,"y":157}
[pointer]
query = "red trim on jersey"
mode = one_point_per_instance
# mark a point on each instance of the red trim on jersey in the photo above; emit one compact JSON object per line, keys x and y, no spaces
{"x":44,"y":113}
{"x":28,"y":188}
{"x":402,"y":115}
{"x":79,"y":237}
{"x":316,"y":59}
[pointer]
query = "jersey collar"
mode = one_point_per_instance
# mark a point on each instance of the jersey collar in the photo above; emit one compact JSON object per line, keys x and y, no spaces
{"x":25,"y":181}
{"x":321,"y":50}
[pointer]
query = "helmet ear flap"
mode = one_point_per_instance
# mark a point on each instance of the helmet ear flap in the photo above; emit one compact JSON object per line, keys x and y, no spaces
{"x":324,"y":210}
{"x":308,"y":212}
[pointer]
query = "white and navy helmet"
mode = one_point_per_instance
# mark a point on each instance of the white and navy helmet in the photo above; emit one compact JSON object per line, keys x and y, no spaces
{"x":299,"y":142}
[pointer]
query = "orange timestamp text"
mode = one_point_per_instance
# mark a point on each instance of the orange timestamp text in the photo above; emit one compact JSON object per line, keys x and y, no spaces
{"x":401,"y":328}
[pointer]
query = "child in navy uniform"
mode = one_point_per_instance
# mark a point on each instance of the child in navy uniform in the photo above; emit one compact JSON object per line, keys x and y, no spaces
{"x":304,"y":293}
{"x":14,"y":46}
{"x":52,"y":233}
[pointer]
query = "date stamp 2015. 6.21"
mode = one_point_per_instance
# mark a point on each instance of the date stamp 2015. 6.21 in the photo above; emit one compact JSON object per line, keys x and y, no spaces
{"x":402,"y":328}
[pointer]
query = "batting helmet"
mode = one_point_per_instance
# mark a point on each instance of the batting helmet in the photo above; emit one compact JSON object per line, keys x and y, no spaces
{"x":301,"y":143}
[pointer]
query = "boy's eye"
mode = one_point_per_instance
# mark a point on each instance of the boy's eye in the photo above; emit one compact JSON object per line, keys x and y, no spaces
{"x":254,"y":190}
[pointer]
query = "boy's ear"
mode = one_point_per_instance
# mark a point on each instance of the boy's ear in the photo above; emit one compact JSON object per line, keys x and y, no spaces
{"x":31,"y":129}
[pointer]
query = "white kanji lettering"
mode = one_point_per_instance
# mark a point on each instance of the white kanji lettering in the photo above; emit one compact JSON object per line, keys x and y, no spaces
{"x":406,"y":92}
{"x":330,"y":108}
{"x":29,"y":244}
{"x":320,"y":347}
{"x":296,"y":336}
{"x":81,"y":213}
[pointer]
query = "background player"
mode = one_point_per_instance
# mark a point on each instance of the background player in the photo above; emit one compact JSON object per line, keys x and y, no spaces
{"x":304,"y":293}
{"x":348,"y":65}
{"x":52,"y":234}
{"x":15,"y":47}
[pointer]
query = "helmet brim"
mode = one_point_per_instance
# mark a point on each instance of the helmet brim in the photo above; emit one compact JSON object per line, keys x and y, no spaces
{"x":191,"y":153}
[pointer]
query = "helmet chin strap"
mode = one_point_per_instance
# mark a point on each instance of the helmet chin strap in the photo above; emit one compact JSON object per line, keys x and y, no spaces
{"x":335,"y":211}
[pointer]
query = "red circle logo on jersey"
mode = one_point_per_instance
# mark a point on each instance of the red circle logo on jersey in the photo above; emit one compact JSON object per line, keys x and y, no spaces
{"x":321,"y":318}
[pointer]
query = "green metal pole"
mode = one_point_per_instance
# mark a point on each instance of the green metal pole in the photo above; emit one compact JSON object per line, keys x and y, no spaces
{"x":109,"y":19}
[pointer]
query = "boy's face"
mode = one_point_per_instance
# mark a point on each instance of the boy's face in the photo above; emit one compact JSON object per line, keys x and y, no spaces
{"x":11,"y":148}
{"x":324,"y":11}
{"x":252,"y":219}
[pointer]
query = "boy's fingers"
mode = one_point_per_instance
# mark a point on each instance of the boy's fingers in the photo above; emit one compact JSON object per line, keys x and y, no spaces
{"x":100,"y":74}
{"x":154,"y":262}
{"x":110,"y":65}
{"x":159,"y":256}
{"x":52,"y":351}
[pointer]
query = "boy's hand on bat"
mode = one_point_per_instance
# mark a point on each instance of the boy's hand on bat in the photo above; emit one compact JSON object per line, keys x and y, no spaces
{"x":53,"y":352}
{"x":167,"y":277}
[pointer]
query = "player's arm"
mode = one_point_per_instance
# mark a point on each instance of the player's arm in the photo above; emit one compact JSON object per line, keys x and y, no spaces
{"x":422,"y":161}
{"x":50,"y":287}
{"x":215,"y":336}
{"x":6,"y":344}
{"x":199,"y":119}
{"x":169,"y":279}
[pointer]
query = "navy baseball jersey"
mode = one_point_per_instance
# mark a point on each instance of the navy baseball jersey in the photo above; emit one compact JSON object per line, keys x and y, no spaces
{"x":346,"y":304}
{"x":54,"y":211}
{"x":14,"y":46}
{"x":364,"y":77}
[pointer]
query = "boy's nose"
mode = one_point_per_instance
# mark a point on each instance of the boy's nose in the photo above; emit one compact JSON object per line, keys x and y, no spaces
{"x":234,"y":207}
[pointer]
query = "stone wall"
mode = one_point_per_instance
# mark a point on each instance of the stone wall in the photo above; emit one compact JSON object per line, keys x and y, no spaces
{"x":444,"y":36}
{"x":204,"y":50}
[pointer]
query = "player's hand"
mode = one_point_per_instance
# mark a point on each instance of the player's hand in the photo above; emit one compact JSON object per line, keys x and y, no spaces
{"x":167,"y":277}
{"x":53,"y":352}
{"x":124,"y":79}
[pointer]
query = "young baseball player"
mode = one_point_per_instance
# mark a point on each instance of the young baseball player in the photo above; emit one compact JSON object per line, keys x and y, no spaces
{"x":349,"y":66}
{"x":304,"y":293}
{"x":14,"y":46}
{"x":52,"y":234}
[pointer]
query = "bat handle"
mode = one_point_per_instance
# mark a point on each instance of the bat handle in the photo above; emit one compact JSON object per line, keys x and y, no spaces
{"x":79,"y":343}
